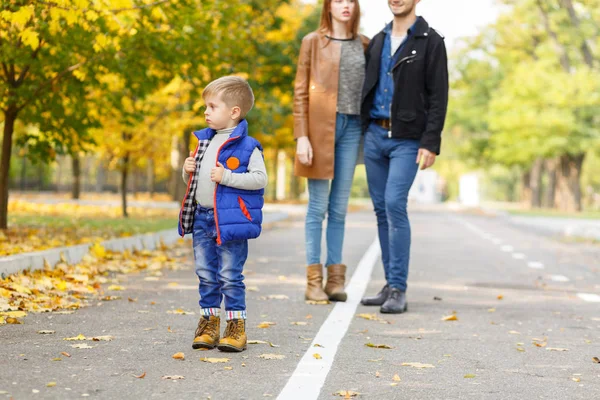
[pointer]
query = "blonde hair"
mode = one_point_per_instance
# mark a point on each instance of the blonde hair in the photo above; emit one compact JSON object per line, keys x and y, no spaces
{"x":234,"y":91}
{"x":326,"y":24}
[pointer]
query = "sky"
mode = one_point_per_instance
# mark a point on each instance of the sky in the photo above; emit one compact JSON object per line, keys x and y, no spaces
{"x":452,"y":18}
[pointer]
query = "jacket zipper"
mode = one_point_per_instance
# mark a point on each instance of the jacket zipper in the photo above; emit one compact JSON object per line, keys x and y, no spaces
{"x":215,"y":192}
{"x":187,"y":191}
{"x":398,"y":64}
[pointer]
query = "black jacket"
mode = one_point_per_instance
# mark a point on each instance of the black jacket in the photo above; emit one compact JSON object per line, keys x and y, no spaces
{"x":420,"y":86}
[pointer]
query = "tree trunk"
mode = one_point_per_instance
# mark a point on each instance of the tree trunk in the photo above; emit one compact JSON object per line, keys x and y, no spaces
{"x":550,"y":187}
{"x":150,"y":178}
{"x":569,"y":186}
{"x":536,"y":183}
{"x":100,"y":177}
{"x":10,"y":116}
{"x":526,"y":188}
{"x":134,"y":188}
{"x":23,"y":173}
{"x":124,"y":171}
{"x":76,"y":188}
{"x":274,"y":174}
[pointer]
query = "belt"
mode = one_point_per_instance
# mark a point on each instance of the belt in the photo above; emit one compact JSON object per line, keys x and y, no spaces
{"x":384,"y":123}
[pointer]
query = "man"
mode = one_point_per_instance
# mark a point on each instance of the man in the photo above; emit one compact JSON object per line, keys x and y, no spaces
{"x":404,"y":103}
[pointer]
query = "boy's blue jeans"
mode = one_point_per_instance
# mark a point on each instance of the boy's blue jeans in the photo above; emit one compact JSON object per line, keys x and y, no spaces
{"x":219,"y":268}
{"x":333,"y":200}
{"x":391,"y":169}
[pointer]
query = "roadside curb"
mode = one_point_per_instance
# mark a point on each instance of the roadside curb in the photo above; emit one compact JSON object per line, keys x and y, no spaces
{"x":74,"y":254}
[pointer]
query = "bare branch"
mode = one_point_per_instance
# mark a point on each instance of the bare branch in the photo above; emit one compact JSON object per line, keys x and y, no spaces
{"x":564,"y":58}
{"x":585,"y":48}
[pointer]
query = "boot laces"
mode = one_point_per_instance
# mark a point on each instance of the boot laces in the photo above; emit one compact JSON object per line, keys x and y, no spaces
{"x":204,"y":326}
{"x":233,"y":330}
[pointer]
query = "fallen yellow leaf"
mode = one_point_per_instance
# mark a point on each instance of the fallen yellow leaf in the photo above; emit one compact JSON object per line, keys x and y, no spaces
{"x":317,"y":356}
{"x":300,"y":323}
{"x":500,"y":297}
{"x":346,"y":394}
{"x":215,"y":360}
{"x":556,"y":349}
{"x":13,"y":321}
{"x":272,"y":356}
{"x":417,"y":365}
{"x":315,"y":302}
{"x":575,"y":379}
{"x":173,"y":377}
{"x":469,"y":376}
{"x":396,"y":378}
{"x":179,"y":356}
{"x":596,"y":360}
{"x":14,"y":314}
{"x":78,"y":337}
{"x":64,"y":353}
{"x":98,"y":250}
{"x":50,"y":384}
{"x":378,"y":346}
{"x":452,"y":317}
{"x":142,"y":376}
{"x":46,"y":332}
{"x":266,"y":324}
{"x":102,"y":338}
{"x":228,"y":368}
{"x":115,"y":288}
{"x":373,"y":317}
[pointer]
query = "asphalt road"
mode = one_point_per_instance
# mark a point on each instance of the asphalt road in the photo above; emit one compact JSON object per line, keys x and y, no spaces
{"x":508,"y":288}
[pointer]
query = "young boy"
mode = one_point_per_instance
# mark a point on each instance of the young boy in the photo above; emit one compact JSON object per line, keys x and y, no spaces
{"x":222,"y":208}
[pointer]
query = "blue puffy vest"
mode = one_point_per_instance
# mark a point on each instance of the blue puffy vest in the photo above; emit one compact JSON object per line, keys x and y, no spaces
{"x":238,"y":212}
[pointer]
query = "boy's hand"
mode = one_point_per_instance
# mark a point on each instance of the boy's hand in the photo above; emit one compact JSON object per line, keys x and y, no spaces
{"x":425,"y":158}
{"x":189,"y":165}
{"x":216,"y":174}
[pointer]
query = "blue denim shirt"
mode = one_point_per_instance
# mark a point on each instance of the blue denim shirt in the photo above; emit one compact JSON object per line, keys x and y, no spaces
{"x":385,"y":86}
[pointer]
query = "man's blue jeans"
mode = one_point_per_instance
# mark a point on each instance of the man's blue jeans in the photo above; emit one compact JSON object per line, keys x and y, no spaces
{"x":331,"y":196}
{"x":219,"y":268}
{"x":391,"y":169}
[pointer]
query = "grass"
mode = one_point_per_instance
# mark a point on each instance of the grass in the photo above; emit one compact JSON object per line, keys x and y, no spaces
{"x":118,"y":226}
{"x":35,"y":227}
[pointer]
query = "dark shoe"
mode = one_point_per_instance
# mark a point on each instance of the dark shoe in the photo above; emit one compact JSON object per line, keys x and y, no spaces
{"x":378,"y":299}
{"x":207,"y":333}
{"x":336,"y":282}
{"x":234,"y":339}
{"x":396,"y":303}
{"x":314,"y":283}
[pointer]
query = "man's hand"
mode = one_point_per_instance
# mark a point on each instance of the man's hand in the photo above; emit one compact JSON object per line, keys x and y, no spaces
{"x":426,"y":158}
{"x":189,"y":165}
{"x":216,"y":174}
{"x":304,"y":151}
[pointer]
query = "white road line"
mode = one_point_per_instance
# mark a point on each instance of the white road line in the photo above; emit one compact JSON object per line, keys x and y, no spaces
{"x":593,"y":298}
{"x":497,"y":241}
{"x":507,"y":248}
{"x":559,"y":278}
{"x":535,"y":265}
{"x":310,"y":374}
{"x":518,"y":256}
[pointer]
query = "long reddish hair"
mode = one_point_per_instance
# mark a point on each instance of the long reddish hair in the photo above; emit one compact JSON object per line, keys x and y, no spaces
{"x":326,"y":25}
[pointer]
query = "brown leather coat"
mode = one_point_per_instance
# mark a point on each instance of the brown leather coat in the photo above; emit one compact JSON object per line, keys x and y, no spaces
{"x":315,"y":102}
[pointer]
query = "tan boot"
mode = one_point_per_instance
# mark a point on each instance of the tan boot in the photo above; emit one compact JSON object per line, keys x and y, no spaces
{"x":234,"y":339}
{"x":336,"y":282}
{"x":314,"y":283}
{"x":207,"y":333}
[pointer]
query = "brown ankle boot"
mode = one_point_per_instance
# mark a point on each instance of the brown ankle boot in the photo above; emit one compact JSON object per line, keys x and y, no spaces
{"x":314,"y":283}
{"x":207,"y":333}
{"x":234,"y":339}
{"x":336,"y":282}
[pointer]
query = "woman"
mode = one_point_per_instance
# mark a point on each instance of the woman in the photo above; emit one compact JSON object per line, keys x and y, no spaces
{"x":329,"y":79}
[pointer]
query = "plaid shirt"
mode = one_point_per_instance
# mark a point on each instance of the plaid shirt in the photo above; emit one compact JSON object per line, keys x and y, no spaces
{"x":188,"y":207}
